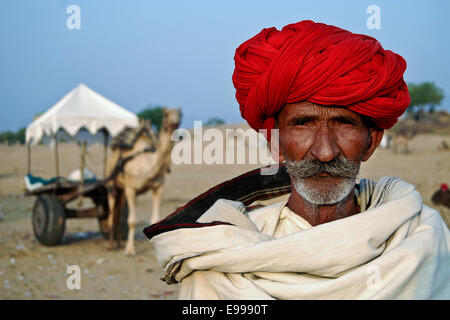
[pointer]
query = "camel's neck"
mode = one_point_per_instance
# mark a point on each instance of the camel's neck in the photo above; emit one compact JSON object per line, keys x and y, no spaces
{"x":165,"y":145}
{"x":164,"y":142}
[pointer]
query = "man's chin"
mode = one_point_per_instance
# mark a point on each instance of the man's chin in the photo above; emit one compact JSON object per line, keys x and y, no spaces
{"x":323,"y":180}
{"x":324,"y":190}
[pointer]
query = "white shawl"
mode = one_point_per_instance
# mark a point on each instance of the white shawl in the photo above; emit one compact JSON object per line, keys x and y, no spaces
{"x":396,"y":248}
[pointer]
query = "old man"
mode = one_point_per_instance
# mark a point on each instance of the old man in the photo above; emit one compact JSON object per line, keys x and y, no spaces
{"x":328,"y":94}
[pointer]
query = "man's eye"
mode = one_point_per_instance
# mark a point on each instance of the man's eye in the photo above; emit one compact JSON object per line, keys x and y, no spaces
{"x":301,"y":122}
{"x":348,"y":122}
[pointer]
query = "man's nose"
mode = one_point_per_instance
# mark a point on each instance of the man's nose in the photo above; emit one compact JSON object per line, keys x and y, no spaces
{"x":324,"y":147}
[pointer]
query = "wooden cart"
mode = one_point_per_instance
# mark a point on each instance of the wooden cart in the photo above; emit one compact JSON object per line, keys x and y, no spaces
{"x":50,"y":209}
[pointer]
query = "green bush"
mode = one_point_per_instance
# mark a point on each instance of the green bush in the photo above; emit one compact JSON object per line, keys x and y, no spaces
{"x":154,"y":114}
{"x":13,"y":137}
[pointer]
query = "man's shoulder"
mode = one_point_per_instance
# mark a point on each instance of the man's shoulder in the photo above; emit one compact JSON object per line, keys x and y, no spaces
{"x":434,"y":218}
{"x":250,"y":211}
{"x":383,"y":189}
{"x":259,"y":214}
{"x":264,"y":214}
{"x":259,"y":208}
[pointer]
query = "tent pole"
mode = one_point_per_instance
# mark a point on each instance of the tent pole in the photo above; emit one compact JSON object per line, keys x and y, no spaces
{"x":55,"y":139}
{"x":83,"y":163}
{"x":105,"y":152}
{"x":28,"y":157}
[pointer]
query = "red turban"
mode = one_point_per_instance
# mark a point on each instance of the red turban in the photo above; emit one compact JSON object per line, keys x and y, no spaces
{"x":323,"y":64}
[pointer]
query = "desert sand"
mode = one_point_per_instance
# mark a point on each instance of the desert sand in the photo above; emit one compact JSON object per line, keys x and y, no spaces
{"x":29,"y":270}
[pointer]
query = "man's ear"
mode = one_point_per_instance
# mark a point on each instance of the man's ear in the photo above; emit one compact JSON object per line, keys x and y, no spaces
{"x":274,"y":145}
{"x":276,"y":152}
{"x":374,"y":140}
{"x":281,"y":157}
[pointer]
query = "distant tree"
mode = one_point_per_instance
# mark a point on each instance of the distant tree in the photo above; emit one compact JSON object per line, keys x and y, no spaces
{"x":11,"y":137}
{"x":214,"y":121}
{"x":21,"y":135}
{"x":154,"y":114}
{"x":7,"y":136}
{"x":425,"y":94}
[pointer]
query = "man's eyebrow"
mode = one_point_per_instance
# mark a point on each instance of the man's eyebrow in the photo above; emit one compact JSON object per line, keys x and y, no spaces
{"x":311,"y":118}
{"x":345,"y":119}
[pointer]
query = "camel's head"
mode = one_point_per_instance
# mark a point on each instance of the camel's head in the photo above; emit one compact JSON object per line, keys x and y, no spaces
{"x":171,"y":119}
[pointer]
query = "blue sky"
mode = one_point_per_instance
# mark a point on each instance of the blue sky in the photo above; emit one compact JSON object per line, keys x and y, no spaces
{"x":180,"y":53}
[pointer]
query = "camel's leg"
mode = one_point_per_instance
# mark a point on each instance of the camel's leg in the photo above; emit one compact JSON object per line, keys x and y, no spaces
{"x":118,"y":218}
{"x":111,"y":217}
{"x":157,"y":195}
{"x":395,"y":145}
{"x":130,"y":195}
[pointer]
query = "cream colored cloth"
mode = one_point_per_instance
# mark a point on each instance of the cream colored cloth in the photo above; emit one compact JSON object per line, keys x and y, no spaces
{"x":289,"y":222}
{"x":396,"y":248}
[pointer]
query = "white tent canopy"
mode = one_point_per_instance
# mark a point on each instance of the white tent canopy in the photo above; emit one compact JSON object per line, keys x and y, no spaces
{"x":80,"y":114}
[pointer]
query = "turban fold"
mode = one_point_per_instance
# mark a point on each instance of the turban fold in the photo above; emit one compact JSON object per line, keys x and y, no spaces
{"x":323,"y":64}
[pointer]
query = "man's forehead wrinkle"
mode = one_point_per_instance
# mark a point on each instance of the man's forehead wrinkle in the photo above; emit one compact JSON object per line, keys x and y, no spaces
{"x":318,"y":111}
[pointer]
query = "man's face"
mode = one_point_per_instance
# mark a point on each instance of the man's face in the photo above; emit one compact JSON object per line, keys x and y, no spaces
{"x":323,"y":148}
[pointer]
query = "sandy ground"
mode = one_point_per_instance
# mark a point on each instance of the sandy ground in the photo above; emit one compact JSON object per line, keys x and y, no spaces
{"x":29,"y":270}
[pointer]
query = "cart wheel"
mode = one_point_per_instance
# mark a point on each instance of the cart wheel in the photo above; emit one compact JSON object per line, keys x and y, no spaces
{"x":49,"y":219}
{"x":104,"y":228}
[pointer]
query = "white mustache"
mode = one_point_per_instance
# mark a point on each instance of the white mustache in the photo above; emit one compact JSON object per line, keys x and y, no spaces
{"x":338,"y":167}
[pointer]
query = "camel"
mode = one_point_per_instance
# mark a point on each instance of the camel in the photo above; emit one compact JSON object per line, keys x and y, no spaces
{"x":400,"y":144}
{"x":401,"y":139}
{"x":147,"y":162}
{"x":443,"y":146}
